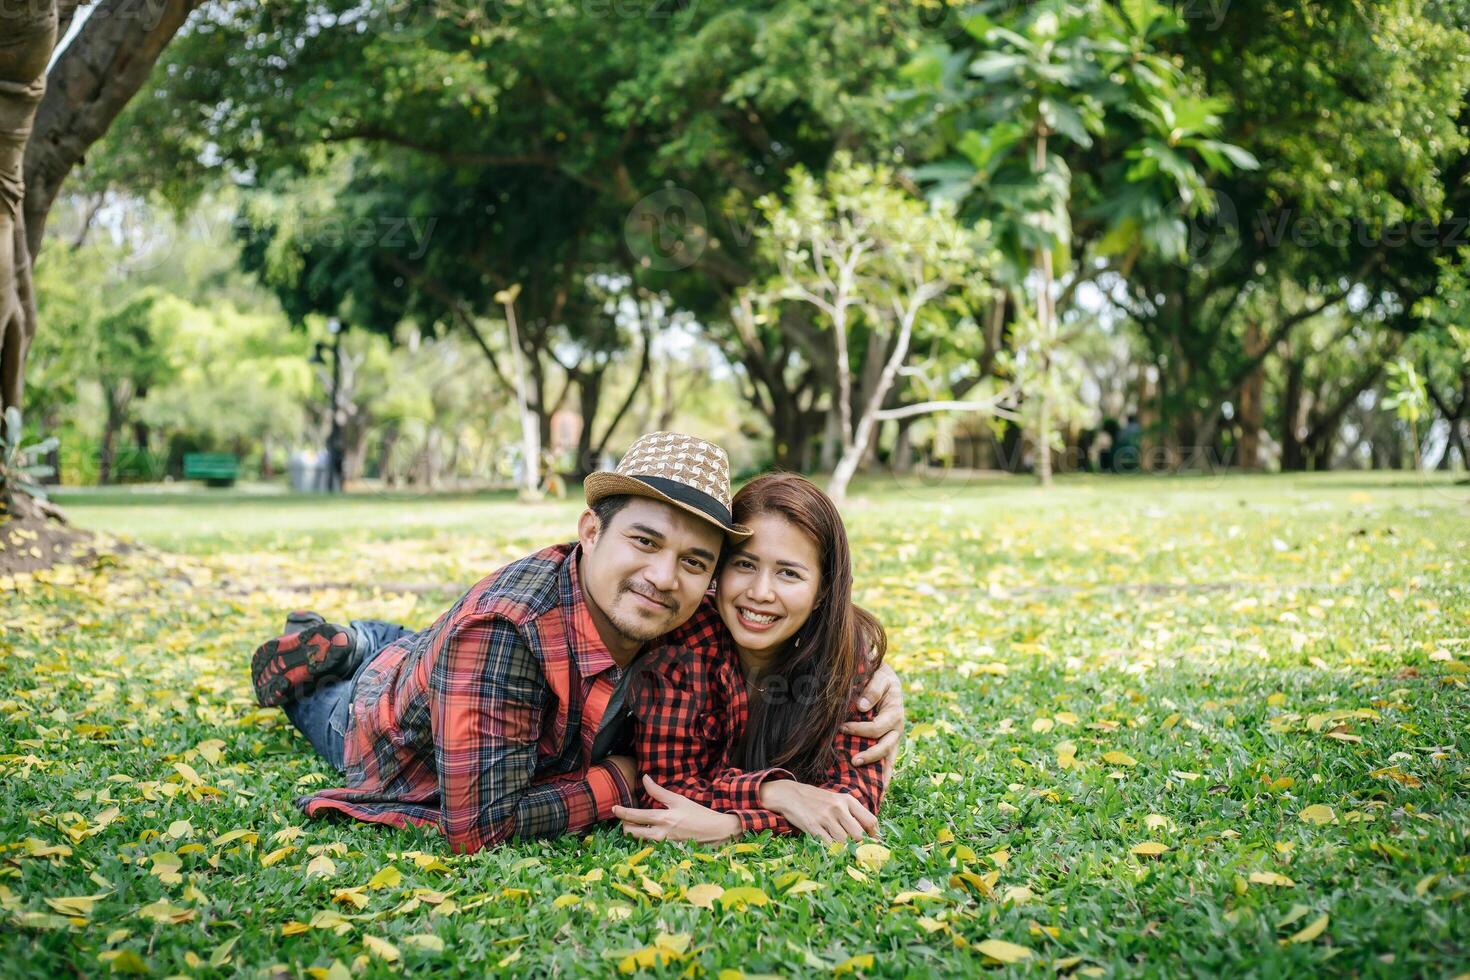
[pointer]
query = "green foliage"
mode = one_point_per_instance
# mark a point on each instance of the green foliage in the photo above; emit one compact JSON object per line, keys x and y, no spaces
{"x":20,"y":471}
{"x":1407,"y":397}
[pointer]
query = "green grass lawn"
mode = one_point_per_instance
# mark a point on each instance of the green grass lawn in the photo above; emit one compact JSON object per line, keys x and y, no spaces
{"x":1187,"y":726}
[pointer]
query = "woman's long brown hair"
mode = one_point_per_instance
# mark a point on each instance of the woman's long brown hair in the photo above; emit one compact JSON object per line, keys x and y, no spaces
{"x":798,"y":704}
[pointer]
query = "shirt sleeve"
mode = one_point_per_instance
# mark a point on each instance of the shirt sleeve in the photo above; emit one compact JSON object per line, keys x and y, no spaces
{"x":866,"y":783}
{"x":488,"y":698}
{"x":673,"y":702}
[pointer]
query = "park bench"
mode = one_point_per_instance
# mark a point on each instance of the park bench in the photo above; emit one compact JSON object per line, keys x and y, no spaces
{"x":215,"y":469}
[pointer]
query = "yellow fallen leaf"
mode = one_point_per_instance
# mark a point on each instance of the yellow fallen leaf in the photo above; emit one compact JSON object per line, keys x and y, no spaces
{"x":1066,"y":755}
{"x":1425,"y":883}
{"x":124,"y":961}
{"x":904,"y":898}
{"x":76,"y":905}
{"x":873,"y":856}
{"x":563,"y":901}
{"x":426,"y":941}
{"x":179,"y":829}
{"x":229,"y":837}
{"x":1017,"y":894}
{"x":863,"y":961}
{"x":166,"y":866}
{"x":1065,"y":718}
{"x":382,"y":949}
{"x":266,"y":860}
{"x":802,"y":887}
{"x":1317,"y":813}
{"x":999,"y":949}
{"x":388,"y":877}
{"x":743,"y":896}
{"x":321,"y":865}
{"x":1297,"y":911}
{"x":164,"y":912}
{"x":1116,"y":758}
{"x":1042,"y":725}
{"x":981,"y":885}
{"x":1271,"y":878}
{"x":1001,"y":857}
{"x":330,"y":919}
{"x":703,"y":896}
{"x":1314,"y":929}
{"x":294,"y":928}
{"x":221,"y":954}
{"x":1149,"y":848}
{"x":350,"y":896}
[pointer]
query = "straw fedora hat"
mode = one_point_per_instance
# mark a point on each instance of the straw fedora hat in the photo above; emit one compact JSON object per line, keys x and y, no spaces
{"x":679,"y":470}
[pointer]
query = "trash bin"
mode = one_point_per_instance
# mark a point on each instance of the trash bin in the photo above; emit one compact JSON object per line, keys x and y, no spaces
{"x":305,"y":472}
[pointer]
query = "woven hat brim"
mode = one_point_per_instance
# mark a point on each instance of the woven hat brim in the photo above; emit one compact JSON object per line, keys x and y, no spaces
{"x":600,"y":485}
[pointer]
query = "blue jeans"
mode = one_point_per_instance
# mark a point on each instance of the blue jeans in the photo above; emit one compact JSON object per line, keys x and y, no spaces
{"x":323,"y":714}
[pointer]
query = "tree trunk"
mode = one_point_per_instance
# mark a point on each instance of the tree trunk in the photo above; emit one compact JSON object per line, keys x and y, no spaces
{"x":1293,"y":458}
{"x":25,"y":48}
{"x":903,"y":448}
{"x":1251,"y":406}
{"x":48,"y":121}
{"x":1046,"y":331}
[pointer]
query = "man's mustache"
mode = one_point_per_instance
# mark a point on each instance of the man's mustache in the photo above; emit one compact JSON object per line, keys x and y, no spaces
{"x":662,"y":598}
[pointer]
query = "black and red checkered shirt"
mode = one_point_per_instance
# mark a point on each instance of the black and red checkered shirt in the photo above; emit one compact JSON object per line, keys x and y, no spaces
{"x":482,"y":725}
{"x":690,"y":704}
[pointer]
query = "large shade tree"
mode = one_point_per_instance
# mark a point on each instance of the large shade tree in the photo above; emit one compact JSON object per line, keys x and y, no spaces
{"x":608,"y":124}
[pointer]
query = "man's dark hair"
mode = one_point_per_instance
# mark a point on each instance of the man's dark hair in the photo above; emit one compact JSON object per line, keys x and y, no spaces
{"x":607,"y":508}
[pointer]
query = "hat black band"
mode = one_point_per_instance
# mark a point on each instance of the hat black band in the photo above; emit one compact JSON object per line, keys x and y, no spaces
{"x":685,"y":494}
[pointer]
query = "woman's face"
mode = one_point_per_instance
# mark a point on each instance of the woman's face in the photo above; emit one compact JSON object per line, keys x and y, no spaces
{"x":769,"y":584}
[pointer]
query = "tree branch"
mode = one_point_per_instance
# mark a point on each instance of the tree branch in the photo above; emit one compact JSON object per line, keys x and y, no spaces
{"x":95,"y":77}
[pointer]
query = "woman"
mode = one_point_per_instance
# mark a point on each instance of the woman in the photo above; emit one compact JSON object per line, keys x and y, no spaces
{"x":738,"y":720}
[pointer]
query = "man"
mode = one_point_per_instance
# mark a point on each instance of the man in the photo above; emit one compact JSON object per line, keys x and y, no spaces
{"x":500,"y":719}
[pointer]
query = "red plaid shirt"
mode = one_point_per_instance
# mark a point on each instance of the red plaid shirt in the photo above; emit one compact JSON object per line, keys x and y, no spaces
{"x":690,"y":705}
{"x":482,"y":725}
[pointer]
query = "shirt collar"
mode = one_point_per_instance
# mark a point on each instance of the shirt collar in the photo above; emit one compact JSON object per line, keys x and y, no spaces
{"x":588,"y":651}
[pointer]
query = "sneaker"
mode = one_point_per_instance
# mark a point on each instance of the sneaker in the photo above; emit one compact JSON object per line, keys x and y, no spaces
{"x":300,"y":620}
{"x":311,"y":652}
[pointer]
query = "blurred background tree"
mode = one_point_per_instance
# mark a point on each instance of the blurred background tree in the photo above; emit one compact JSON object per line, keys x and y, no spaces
{"x":1226,"y":228}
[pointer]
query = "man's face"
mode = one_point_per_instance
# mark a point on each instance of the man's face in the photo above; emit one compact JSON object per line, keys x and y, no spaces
{"x":646,"y":571}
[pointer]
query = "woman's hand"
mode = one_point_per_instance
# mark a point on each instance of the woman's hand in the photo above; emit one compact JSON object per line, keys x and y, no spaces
{"x":820,"y":812}
{"x":885,"y":691}
{"x":683,"y":820}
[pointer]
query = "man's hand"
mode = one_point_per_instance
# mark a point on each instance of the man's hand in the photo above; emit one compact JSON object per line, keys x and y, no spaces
{"x":629,"y":769}
{"x":683,"y":820}
{"x":826,"y":815}
{"x":886,"y":692}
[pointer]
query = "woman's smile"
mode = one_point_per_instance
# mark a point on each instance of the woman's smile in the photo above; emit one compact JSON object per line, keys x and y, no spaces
{"x":757,"y":621}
